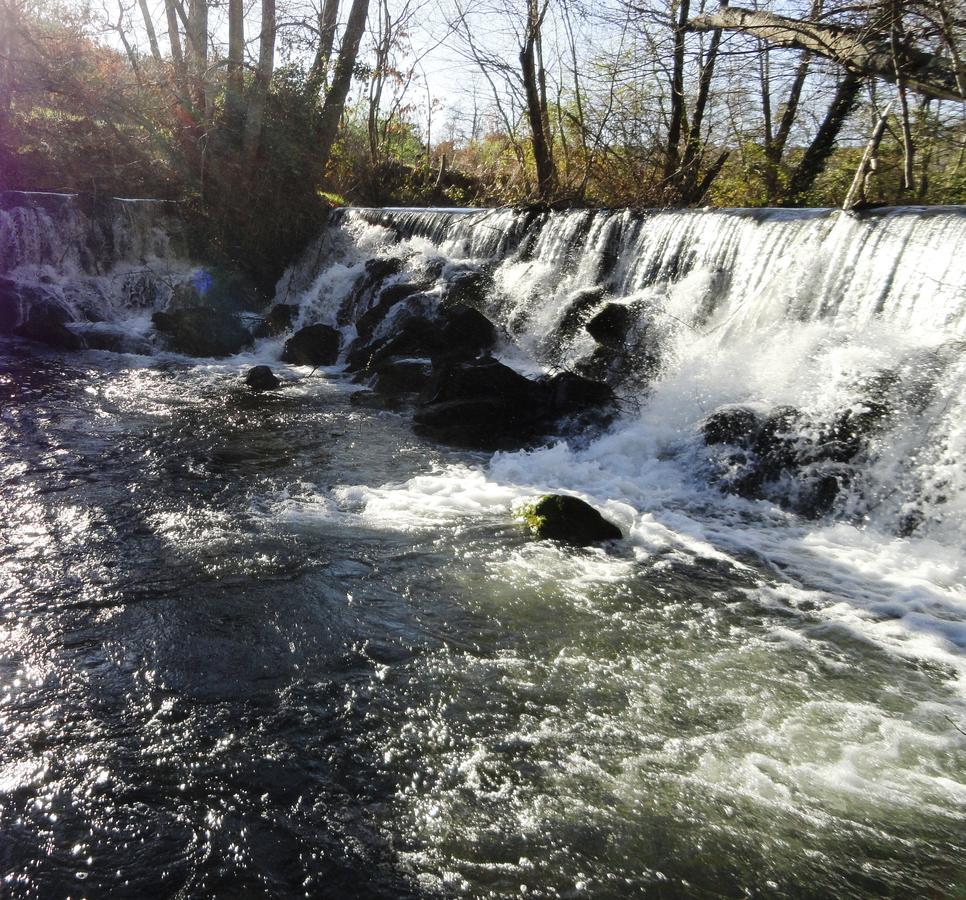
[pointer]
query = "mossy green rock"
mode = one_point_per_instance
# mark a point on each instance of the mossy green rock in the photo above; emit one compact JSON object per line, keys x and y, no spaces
{"x":562,"y":518}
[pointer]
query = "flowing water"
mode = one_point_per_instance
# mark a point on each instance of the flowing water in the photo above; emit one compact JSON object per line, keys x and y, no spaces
{"x":280,"y":645}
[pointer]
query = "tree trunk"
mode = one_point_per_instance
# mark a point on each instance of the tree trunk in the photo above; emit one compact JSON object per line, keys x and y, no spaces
{"x":867,"y":166}
{"x":541,"y":152}
{"x":818,"y":152}
{"x":328,"y":18}
{"x":858,"y":51}
{"x":676,"y":124}
{"x":197,"y":36}
{"x":691,"y":190}
{"x":174,"y":42}
{"x":341,"y":79}
{"x":234,"y":81}
{"x":263,"y":78}
{"x":149,"y":28}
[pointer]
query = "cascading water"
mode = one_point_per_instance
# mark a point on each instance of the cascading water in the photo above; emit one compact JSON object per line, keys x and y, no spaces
{"x":303,"y":650}
{"x":87,"y":274}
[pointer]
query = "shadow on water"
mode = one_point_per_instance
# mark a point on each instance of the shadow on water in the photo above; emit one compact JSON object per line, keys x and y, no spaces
{"x":185,"y":707}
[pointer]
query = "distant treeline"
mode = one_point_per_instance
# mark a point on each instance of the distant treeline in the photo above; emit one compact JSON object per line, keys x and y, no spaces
{"x":257,"y":116}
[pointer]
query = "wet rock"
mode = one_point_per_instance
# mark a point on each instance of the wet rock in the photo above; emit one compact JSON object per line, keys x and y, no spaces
{"x":569,"y":394}
{"x":579,"y":307}
{"x":466,"y":332}
{"x":484,"y":403}
{"x":778,"y":441}
{"x":261,"y":378}
{"x":817,"y":497}
{"x":202,"y":331}
{"x":35,"y":312}
{"x":736,"y":425}
{"x":314,"y":345}
{"x":609,"y":327}
{"x":367,"y":323}
{"x":562,"y":518}
{"x":105,"y":336}
{"x":402,"y":376}
{"x":416,"y":336}
{"x":278,"y":320}
{"x":376,"y":272}
{"x":470,"y":289}
{"x":481,"y":403}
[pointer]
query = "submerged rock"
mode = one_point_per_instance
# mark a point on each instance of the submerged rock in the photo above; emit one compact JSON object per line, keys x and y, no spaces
{"x":560,"y":517}
{"x":261,"y":378}
{"x":314,"y":345}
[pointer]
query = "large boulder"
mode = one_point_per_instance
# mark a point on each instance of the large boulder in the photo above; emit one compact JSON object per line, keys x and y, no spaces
{"x":393,"y":377}
{"x":35,"y":312}
{"x":414,"y":336}
{"x":481,"y":403}
{"x":314,"y":345}
{"x":609,"y":327}
{"x":563,"y":518}
{"x":571,"y":394}
{"x":467,"y":332}
{"x":376,"y":272}
{"x":486,"y":404}
{"x":261,"y":378}
{"x":367,"y":323}
{"x":468,"y":288}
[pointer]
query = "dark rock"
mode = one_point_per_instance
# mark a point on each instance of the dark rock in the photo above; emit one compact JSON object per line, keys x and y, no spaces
{"x":817,"y":497}
{"x":484,"y":378}
{"x":778,"y":441}
{"x":569,"y":393}
{"x":484,"y":423}
{"x":402,"y":376}
{"x":377,"y":270}
{"x":562,"y":518}
{"x":487,"y":404}
{"x":278,"y":320}
{"x":469,"y":289}
{"x":202,"y":331}
{"x":261,"y":378}
{"x":466,"y":332}
{"x":35,"y":312}
{"x":416,"y":336}
{"x":610,"y":326}
{"x":482,"y":403}
{"x":367,"y":323}
{"x":736,"y":425}
{"x":579,"y":306}
{"x":314,"y":345}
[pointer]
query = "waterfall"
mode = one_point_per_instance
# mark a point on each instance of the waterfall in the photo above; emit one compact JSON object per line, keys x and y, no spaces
{"x":843,"y":324}
{"x":77,"y":272}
